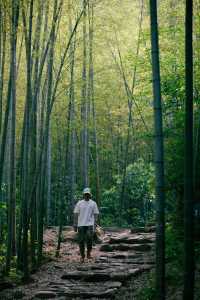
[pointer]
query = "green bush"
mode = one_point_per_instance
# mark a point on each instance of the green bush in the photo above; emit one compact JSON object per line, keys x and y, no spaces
{"x":174,"y":256}
{"x":138,"y":200}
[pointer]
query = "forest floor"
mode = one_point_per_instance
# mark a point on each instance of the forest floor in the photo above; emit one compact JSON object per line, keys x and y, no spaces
{"x":120,"y":268}
{"x":120,"y":257}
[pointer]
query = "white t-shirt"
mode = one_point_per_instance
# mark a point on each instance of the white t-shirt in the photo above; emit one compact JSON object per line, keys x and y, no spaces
{"x":86,"y":211}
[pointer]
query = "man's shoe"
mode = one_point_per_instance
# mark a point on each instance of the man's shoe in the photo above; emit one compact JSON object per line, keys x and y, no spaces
{"x":89,"y":256}
{"x":82,"y":260}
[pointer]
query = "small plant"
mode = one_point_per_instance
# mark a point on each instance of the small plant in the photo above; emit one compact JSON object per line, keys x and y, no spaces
{"x":147,"y":290}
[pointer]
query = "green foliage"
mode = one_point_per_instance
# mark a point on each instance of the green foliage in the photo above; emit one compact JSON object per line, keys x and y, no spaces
{"x":174,"y":265}
{"x":174,"y":256}
{"x":147,"y":291}
{"x":138,"y":196}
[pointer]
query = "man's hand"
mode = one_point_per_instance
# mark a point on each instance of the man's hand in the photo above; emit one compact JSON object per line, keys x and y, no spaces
{"x":75,"y":222}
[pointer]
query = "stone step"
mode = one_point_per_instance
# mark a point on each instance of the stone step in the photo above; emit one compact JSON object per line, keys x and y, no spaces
{"x":79,"y":289}
{"x":125,"y":255}
{"x":125,"y":247}
{"x":45,"y":295}
{"x":87,"y":293}
{"x":131,"y":240}
{"x":120,"y":272}
{"x":143,"y":229}
{"x":118,"y":262}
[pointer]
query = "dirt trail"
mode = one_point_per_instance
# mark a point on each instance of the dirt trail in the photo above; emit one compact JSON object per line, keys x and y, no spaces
{"x":120,"y":257}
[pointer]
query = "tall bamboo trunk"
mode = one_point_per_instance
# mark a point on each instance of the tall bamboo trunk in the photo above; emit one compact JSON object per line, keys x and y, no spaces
{"x":2,"y":71}
{"x":34,"y":126}
{"x":49,"y":200}
{"x":159,"y":157}
{"x":72,"y":140}
{"x":3,"y":39}
{"x":91,"y":97}
{"x":25,"y":160}
{"x":84,"y":105}
{"x":42,"y":204}
{"x":12,"y":166}
{"x":189,"y":264}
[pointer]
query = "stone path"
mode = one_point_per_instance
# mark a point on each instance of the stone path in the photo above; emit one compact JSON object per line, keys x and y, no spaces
{"x":118,"y":259}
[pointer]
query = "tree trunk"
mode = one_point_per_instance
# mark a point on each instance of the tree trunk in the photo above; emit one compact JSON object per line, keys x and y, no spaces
{"x":189,"y":180}
{"x":49,"y":221}
{"x":91,"y":97}
{"x":72,"y":139}
{"x":42,"y":204}
{"x":12,"y":167}
{"x":159,"y":157}
{"x":26,"y":180}
{"x":2,"y":58}
{"x":84,"y":105}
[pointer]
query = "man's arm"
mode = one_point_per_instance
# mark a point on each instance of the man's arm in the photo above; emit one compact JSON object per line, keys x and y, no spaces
{"x":96,"y":214}
{"x":75,"y":223}
{"x":76,"y":213}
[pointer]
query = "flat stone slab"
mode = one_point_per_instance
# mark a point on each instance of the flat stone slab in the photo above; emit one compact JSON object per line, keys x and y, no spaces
{"x":84,"y":289}
{"x":120,"y":272}
{"x":86,"y":293}
{"x":131,"y":240}
{"x":87,"y":276}
{"x":45,"y":295}
{"x":125,"y":247}
{"x":143,"y":229}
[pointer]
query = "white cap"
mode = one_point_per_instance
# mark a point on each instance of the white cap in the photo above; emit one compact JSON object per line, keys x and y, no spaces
{"x":86,"y":191}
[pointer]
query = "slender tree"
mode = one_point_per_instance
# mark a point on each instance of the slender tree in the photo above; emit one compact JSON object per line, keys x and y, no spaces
{"x":189,"y":176}
{"x":27,"y":27}
{"x":42,"y":204}
{"x":91,"y":96}
{"x":33,"y":128}
{"x":12,"y":158}
{"x":3,"y":45}
{"x":159,"y":157}
{"x":3,"y":40}
{"x":72,"y":137}
{"x":84,"y":105}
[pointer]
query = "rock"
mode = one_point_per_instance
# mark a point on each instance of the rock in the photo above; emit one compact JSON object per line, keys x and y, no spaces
{"x":121,"y":276}
{"x":58,"y":267}
{"x":119,"y":272}
{"x":130,"y":240}
{"x":45,"y":295}
{"x":85,"y":293}
{"x":142,"y":247}
{"x":97,"y":266}
{"x":106,"y":248}
{"x":87,"y":276}
{"x":118,"y":240}
{"x":137,"y":229}
{"x":114,"y":229}
{"x":118,"y":256}
{"x":143,"y":229}
{"x":113,"y":284}
{"x":135,"y":272}
{"x":125,"y":247}
{"x":124,"y":255}
{"x":69,"y":236}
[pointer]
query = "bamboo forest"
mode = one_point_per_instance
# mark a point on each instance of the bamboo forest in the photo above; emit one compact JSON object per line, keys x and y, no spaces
{"x":100,"y":149}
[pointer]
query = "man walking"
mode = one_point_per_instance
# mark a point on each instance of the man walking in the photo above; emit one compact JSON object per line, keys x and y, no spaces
{"x":85,"y":217}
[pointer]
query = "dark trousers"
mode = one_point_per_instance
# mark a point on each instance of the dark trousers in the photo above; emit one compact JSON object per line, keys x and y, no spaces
{"x":85,"y":238}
